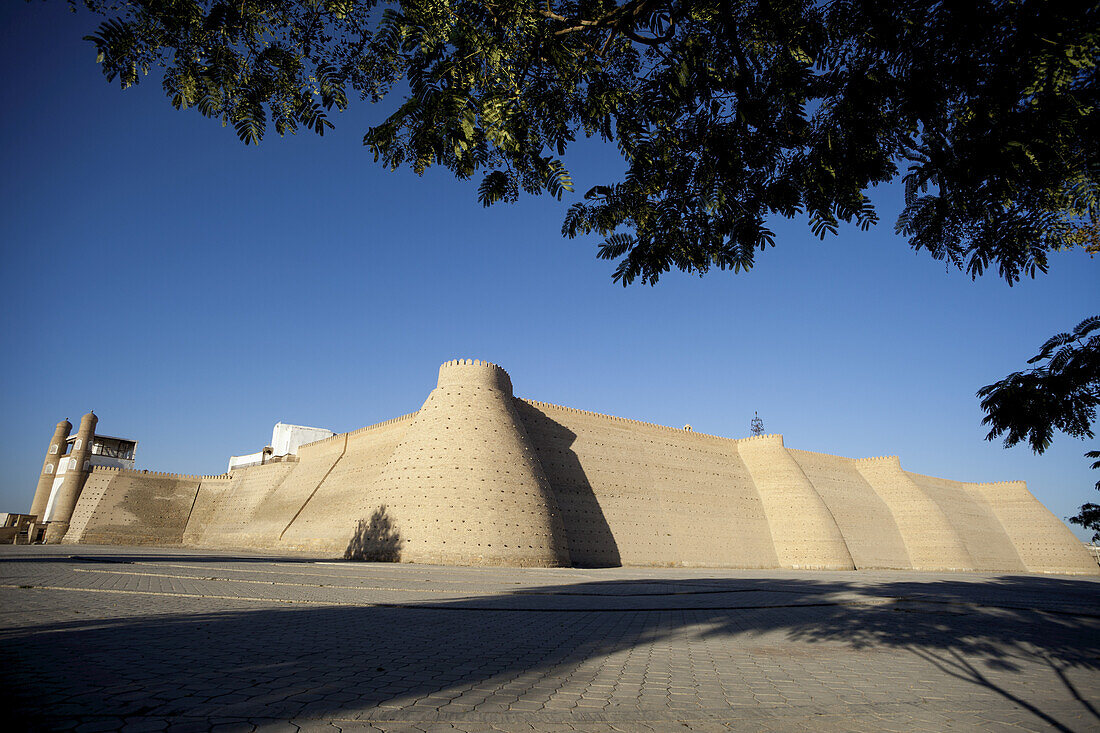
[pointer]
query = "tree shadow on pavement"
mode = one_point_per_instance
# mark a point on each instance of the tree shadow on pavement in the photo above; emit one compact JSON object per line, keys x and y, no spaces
{"x":459,"y":655}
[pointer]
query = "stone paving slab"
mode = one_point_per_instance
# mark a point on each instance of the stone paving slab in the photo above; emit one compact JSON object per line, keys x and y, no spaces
{"x":109,"y":638}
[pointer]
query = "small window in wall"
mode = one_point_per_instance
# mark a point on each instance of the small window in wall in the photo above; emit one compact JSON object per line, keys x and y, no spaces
{"x":72,"y":464}
{"x":76,"y":445}
{"x":87,"y":465}
{"x":49,"y":468}
{"x":53,"y":449}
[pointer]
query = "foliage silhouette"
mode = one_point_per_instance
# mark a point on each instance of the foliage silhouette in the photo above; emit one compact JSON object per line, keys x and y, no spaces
{"x":1061,"y":393}
{"x":726,"y":113}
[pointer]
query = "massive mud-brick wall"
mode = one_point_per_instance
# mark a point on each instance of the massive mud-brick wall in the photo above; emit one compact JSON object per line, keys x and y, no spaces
{"x":124,"y":507}
{"x":457,"y":482}
{"x":477,"y":476}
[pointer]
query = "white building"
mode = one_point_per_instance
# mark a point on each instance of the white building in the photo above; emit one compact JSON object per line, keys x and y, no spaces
{"x":285,"y":441}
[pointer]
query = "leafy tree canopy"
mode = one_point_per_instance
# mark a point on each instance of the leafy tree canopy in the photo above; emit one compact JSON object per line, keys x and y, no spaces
{"x":727,"y":112}
{"x":1061,"y":393}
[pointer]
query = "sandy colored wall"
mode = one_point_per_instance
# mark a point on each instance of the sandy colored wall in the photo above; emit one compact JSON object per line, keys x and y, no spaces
{"x":288,"y":494}
{"x":931,"y":540}
{"x":974,"y":522}
{"x":94,"y":489}
{"x":239,"y":517}
{"x":1042,"y":542}
{"x":205,"y":509}
{"x":864,"y":519}
{"x":463,"y":485}
{"x":123,"y":507}
{"x":641,"y":494}
{"x":478,"y":477}
{"x":344,"y":496}
{"x":805,"y":532}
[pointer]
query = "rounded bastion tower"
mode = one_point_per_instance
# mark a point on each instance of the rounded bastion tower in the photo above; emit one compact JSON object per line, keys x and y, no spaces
{"x":465,"y":486}
{"x":76,"y":473}
{"x":49,"y":468}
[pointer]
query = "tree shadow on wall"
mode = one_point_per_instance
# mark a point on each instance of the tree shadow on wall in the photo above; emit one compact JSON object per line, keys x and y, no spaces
{"x":375,"y":539}
{"x":591,"y":543}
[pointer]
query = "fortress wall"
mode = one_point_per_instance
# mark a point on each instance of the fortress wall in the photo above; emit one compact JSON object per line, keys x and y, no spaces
{"x":1043,"y":543}
{"x":805,"y":533}
{"x":464,"y":485}
{"x":288,"y":494}
{"x":717,"y":515}
{"x":974,"y":522}
{"x":344,"y":493}
{"x":233,"y":524}
{"x":610,"y":513}
{"x":478,"y":477}
{"x":122,"y":507}
{"x":868,"y":526}
{"x":931,"y":540}
{"x":94,"y":489}
{"x":641,"y":494}
{"x":208,"y":502}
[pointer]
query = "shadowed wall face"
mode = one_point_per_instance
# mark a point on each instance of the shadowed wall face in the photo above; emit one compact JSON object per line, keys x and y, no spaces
{"x":864,"y":519}
{"x":974,"y":523}
{"x":1043,"y":543}
{"x":648,"y":495}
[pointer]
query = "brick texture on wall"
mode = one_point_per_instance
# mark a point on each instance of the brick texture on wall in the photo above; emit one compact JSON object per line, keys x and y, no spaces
{"x":479,"y":477}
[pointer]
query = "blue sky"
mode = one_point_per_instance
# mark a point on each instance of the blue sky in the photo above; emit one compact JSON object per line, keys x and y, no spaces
{"x":194,"y":291}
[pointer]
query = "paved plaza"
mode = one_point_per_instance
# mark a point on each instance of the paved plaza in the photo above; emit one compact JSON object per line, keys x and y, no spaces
{"x":110,"y":638}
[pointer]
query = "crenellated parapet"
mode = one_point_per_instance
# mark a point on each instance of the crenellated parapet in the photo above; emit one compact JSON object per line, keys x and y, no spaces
{"x":625,"y":420}
{"x":383,"y":424}
{"x":766,"y":439}
{"x":474,"y":373}
{"x":157,"y":474}
{"x":872,"y":460}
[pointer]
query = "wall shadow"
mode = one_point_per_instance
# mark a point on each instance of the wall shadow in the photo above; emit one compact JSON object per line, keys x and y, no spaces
{"x":591,"y":543}
{"x":375,"y":539}
{"x":315,"y":661}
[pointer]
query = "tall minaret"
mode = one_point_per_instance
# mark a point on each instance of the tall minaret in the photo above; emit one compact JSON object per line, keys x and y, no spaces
{"x":75,"y":476}
{"x":49,"y":468}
